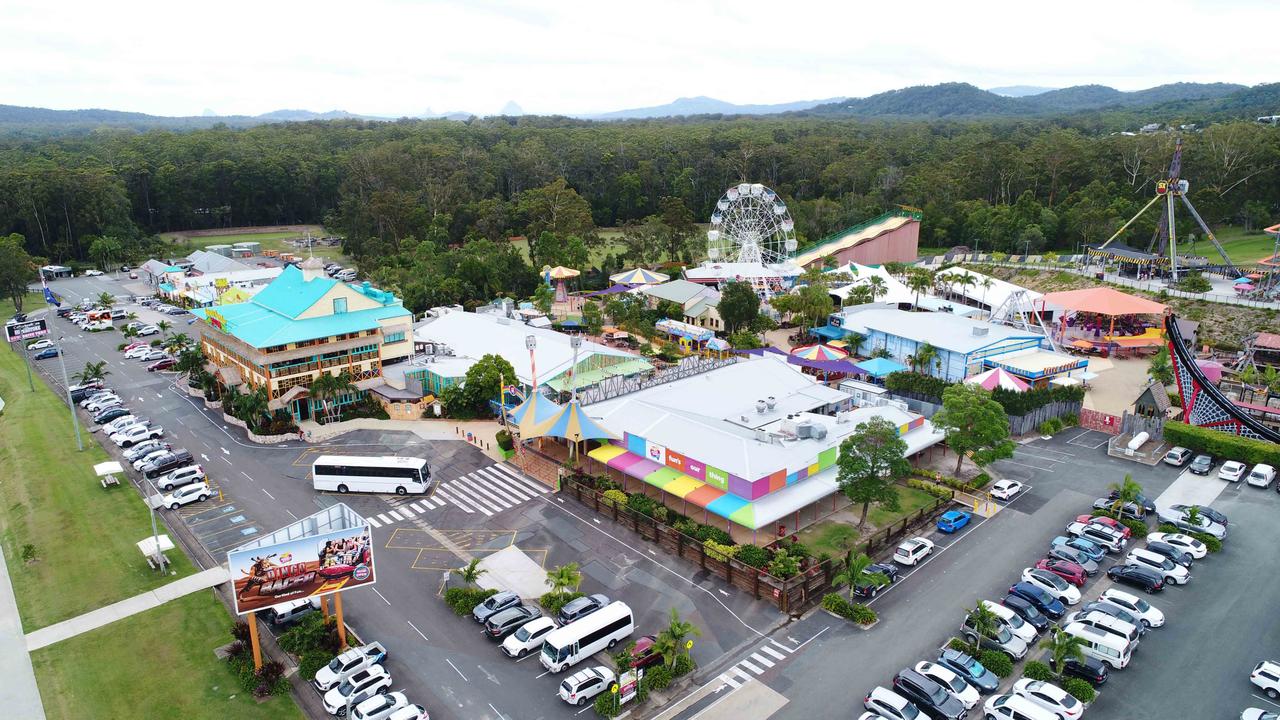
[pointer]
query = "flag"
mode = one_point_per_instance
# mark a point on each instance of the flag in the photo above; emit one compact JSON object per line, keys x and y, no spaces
{"x":49,"y":297}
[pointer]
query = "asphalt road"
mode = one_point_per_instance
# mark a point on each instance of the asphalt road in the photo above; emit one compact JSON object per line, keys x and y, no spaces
{"x":439,"y":660}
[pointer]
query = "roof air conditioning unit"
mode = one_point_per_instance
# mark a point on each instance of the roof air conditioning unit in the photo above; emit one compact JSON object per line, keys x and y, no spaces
{"x":842,"y":417}
{"x":762,"y":436}
{"x":811,"y":430}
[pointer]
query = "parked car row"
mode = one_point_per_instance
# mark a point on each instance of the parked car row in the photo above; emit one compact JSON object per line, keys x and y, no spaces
{"x":357,"y":681}
{"x":155,"y":358}
{"x":583,"y":627}
{"x":1261,"y":475}
{"x":337,"y":272}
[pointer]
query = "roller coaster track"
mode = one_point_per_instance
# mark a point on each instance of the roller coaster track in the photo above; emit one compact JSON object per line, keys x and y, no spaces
{"x":1202,"y":402}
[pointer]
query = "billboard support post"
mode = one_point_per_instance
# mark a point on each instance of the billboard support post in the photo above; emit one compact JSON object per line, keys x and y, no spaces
{"x":342,"y":626}
{"x":324,"y":606}
{"x":253,"y":640}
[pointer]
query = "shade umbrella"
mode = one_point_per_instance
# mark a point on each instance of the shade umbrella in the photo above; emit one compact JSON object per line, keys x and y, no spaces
{"x":638,"y":276}
{"x":998,"y":378}
{"x":1212,"y":369}
{"x":1240,"y":280}
{"x":820,"y":352}
{"x":560,"y":273}
{"x":573,"y":424}
{"x":1064,"y":381}
{"x":534,"y":410}
{"x":880,"y":367}
{"x":1245,"y":286}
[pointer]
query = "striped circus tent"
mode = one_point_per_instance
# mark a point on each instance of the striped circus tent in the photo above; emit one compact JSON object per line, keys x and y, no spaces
{"x":535,"y":410}
{"x":639,"y":276}
{"x":998,"y":378}
{"x":572,"y":424}
{"x":819,"y":352}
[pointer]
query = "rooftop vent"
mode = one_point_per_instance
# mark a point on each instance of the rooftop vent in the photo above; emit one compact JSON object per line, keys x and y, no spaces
{"x":771,"y":401}
{"x":761,"y":406}
{"x":980,"y":331}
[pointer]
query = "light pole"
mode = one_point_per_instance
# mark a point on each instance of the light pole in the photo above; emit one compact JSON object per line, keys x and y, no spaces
{"x":66,"y":386}
{"x":155,"y":532}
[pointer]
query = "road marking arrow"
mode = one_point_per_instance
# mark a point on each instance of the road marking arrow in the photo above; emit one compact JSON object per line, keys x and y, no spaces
{"x":206,"y":457}
{"x":225,"y":451}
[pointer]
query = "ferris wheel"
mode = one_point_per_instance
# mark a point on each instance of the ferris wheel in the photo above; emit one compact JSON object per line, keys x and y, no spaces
{"x":751,"y":224}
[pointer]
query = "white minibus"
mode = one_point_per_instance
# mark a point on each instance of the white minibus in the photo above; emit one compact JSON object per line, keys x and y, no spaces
{"x":386,"y":474}
{"x":580,"y":639}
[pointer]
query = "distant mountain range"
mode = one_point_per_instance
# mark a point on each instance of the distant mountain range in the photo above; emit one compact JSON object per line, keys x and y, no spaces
{"x":948,"y":100}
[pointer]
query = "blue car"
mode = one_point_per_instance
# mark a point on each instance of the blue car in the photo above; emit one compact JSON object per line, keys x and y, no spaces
{"x":46,"y":353}
{"x":1043,"y":601}
{"x":952,"y":520}
{"x":1091,"y":550}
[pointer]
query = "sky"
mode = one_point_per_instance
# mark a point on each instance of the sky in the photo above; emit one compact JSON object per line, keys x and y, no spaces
{"x":405,"y":57}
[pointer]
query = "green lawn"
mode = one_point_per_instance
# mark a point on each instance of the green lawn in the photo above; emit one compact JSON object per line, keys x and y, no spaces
{"x":158,"y":664}
{"x":1242,"y":247}
{"x":836,"y":537}
{"x":270,"y":241}
{"x":611,"y":245}
{"x":82,"y":536}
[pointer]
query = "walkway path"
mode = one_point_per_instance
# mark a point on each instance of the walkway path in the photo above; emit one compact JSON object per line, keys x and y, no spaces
{"x":19,"y":695}
{"x":130,"y":606}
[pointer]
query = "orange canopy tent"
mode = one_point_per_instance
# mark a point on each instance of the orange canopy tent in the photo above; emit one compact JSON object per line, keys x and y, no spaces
{"x":1104,"y":301}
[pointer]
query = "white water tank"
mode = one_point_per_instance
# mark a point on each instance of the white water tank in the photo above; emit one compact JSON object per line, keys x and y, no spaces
{"x":1138,"y":440}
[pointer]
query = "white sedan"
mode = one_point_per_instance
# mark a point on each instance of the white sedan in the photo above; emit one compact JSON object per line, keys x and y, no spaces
{"x":135,"y":434}
{"x":92,"y":273}
{"x":196,"y":492}
{"x":1052,"y":584}
{"x":40,"y":345}
{"x":954,"y":685}
{"x":1232,"y":471}
{"x":1143,"y":610}
{"x":138,"y":352}
{"x":1050,"y":697}
{"x":528,"y":637}
{"x":1185,"y":543}
{"x":1006,"y":489}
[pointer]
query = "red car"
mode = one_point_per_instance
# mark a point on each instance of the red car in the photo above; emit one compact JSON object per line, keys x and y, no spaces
{"x":165,"y":364}
{"x":1112,"y":523}
{"x":643,"y":654}
{"x":1065,"y":569}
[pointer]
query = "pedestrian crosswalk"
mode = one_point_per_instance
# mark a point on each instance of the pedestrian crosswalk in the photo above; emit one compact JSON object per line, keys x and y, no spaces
{"x":486,"y":491}
{"x":756,"y":664}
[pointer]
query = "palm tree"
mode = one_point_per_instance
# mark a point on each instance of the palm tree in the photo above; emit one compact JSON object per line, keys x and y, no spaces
{"x":190,"y":360}
{"x":919,"y":280}
{"x":1271,"y":378}
{"x":471,"y":573}
{"x":106,"y":300}
{"x":986,"y":284}
{"x":128,"y":332}
{"x":1127,"y":491}
{"x":253,"y":408}
{"x":176,"y":344}
{"x":878,"y":287}
{"x":328,"y":387}
{"x":925,"y":355}
{"x":164,"y":326}
{"x":1062,"y":647}
{"x":676,"y":632}
{"x":1193,"y":516}
{"x":984,"y":623}
{"x":92,"y":371}
{"x":563,"y":577}
{"x":855,"y":571}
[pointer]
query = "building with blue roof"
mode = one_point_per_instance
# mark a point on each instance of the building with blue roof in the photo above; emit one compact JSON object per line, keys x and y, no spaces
{"x":301,"y":325}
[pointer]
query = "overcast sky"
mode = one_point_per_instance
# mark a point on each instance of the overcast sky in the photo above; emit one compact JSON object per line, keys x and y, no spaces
{"x":401,"y":57}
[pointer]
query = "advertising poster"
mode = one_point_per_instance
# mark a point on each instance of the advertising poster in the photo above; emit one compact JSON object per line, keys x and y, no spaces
{"x":305,"y":567}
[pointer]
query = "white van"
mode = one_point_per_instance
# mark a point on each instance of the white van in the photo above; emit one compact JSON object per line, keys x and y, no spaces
{"x":287,"y":612}
{"x":580,"y":639}
{"x":1101,"y":645}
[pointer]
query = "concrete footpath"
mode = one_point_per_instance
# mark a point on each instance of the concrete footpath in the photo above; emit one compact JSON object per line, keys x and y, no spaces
{"x":130,"y":606}
{"x":19,"y":695}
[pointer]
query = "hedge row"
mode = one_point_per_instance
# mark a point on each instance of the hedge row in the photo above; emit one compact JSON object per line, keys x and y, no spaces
{"x":463,"y":600}
{"x":1222,"y":444}
{"x":1139,"y":528}
{"x":857,"y":612}
{"x":929,"y":487}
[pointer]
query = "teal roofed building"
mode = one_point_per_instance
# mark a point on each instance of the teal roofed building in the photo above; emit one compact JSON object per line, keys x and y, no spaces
{"x":299,"y":326}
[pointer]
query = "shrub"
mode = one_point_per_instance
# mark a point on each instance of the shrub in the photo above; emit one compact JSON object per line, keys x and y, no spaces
{"x":683,"y":665}
{"x":784,"y":565}
{"x":934,"y":490}
{"x":660,"y":512}
{"x":1221,"y":444}
{"x":642,"y":504}
{"x":835,"y":602}
{"x":313,"y":632}
{"x":503,"y":438}
{"x":553,"y":601}
{"x":1047,"y":427}
{"x":1138,"y":527}
{"x":997,"y":662}
{"x":1211,"y":543}
{"x":657,"y":677}
{"x":237,"y":647}
{"x":607,"y":704}
{"x":28,"y":552}
{"x":717,"y":551}
{"x":914,"y":383}
{"x":240,"y":631}
{"x":753,"y":555}
{"x":311,"y":662}
{"x":980,"y":481}
{"x":958,"y":644}
{"x":1037,"y":670}
{"x":1079,"y":689}
{"x":614,"y":498}
{"x":863,"y":615}
{"x":687,"y":527}
{"x":463,"y":600}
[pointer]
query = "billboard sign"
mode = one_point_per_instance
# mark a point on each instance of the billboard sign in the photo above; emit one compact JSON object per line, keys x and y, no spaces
{"x":27,"y":330}
{"x":306,"y":559}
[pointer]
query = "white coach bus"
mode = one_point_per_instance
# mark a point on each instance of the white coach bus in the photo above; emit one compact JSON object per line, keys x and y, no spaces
{"x":580,"y":639}
{"x":384,"y":474}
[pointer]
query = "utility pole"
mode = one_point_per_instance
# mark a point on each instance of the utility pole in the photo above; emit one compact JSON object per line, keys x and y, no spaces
{"x":66,"y":387}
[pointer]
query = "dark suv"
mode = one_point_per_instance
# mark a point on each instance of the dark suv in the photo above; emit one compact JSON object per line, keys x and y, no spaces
{"x":866,"y":588}
{"x":1027,"y":612}
{"x":1044,"y":602}
{"x":503,"y":623}
{"x":494,"y":604}
{"x":166,"y":463}
{"x":1088,"y":669}
{"x":579,"y":608}
{"x":929,"y":696}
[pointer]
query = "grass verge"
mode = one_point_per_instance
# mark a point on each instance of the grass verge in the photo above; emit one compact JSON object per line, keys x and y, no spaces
{"x":836,"y":537}
{"x":98,"y":674}
{"x":68,"y":543}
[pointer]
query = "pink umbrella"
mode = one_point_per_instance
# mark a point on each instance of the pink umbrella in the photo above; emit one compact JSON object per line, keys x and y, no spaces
{"x":1212,"y":369}
{"x":998,"y":377}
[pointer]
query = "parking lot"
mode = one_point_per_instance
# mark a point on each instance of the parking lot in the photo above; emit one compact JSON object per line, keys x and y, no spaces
{"x":479,"y":507}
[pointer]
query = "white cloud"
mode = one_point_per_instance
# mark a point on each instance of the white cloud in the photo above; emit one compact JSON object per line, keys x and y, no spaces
{"x":394,"y":57}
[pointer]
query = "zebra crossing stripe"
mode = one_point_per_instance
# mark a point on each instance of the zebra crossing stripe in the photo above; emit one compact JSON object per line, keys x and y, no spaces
{"x":773,"y":652}
{"x":417,"y":507}
{"x":762,"y":660}
{"x":501,"y":485}
{"x":395,"y":514}
{"x":448,"y":495}
{"x":741,"y":673}
{"x":386,"y":520}
{"x":780,"y":645}
{"x":747,"y":664}
{"x":523,"y":481}
{"x":465,"y":484}
{"x":406,"y":510}
{"x":729,"y":681}
{"x":373,"y":522}
{"x":432,"y":503}
{"x":514,"y":497}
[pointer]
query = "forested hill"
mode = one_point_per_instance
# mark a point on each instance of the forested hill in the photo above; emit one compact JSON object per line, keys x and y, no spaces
{"x":964,"y":100}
